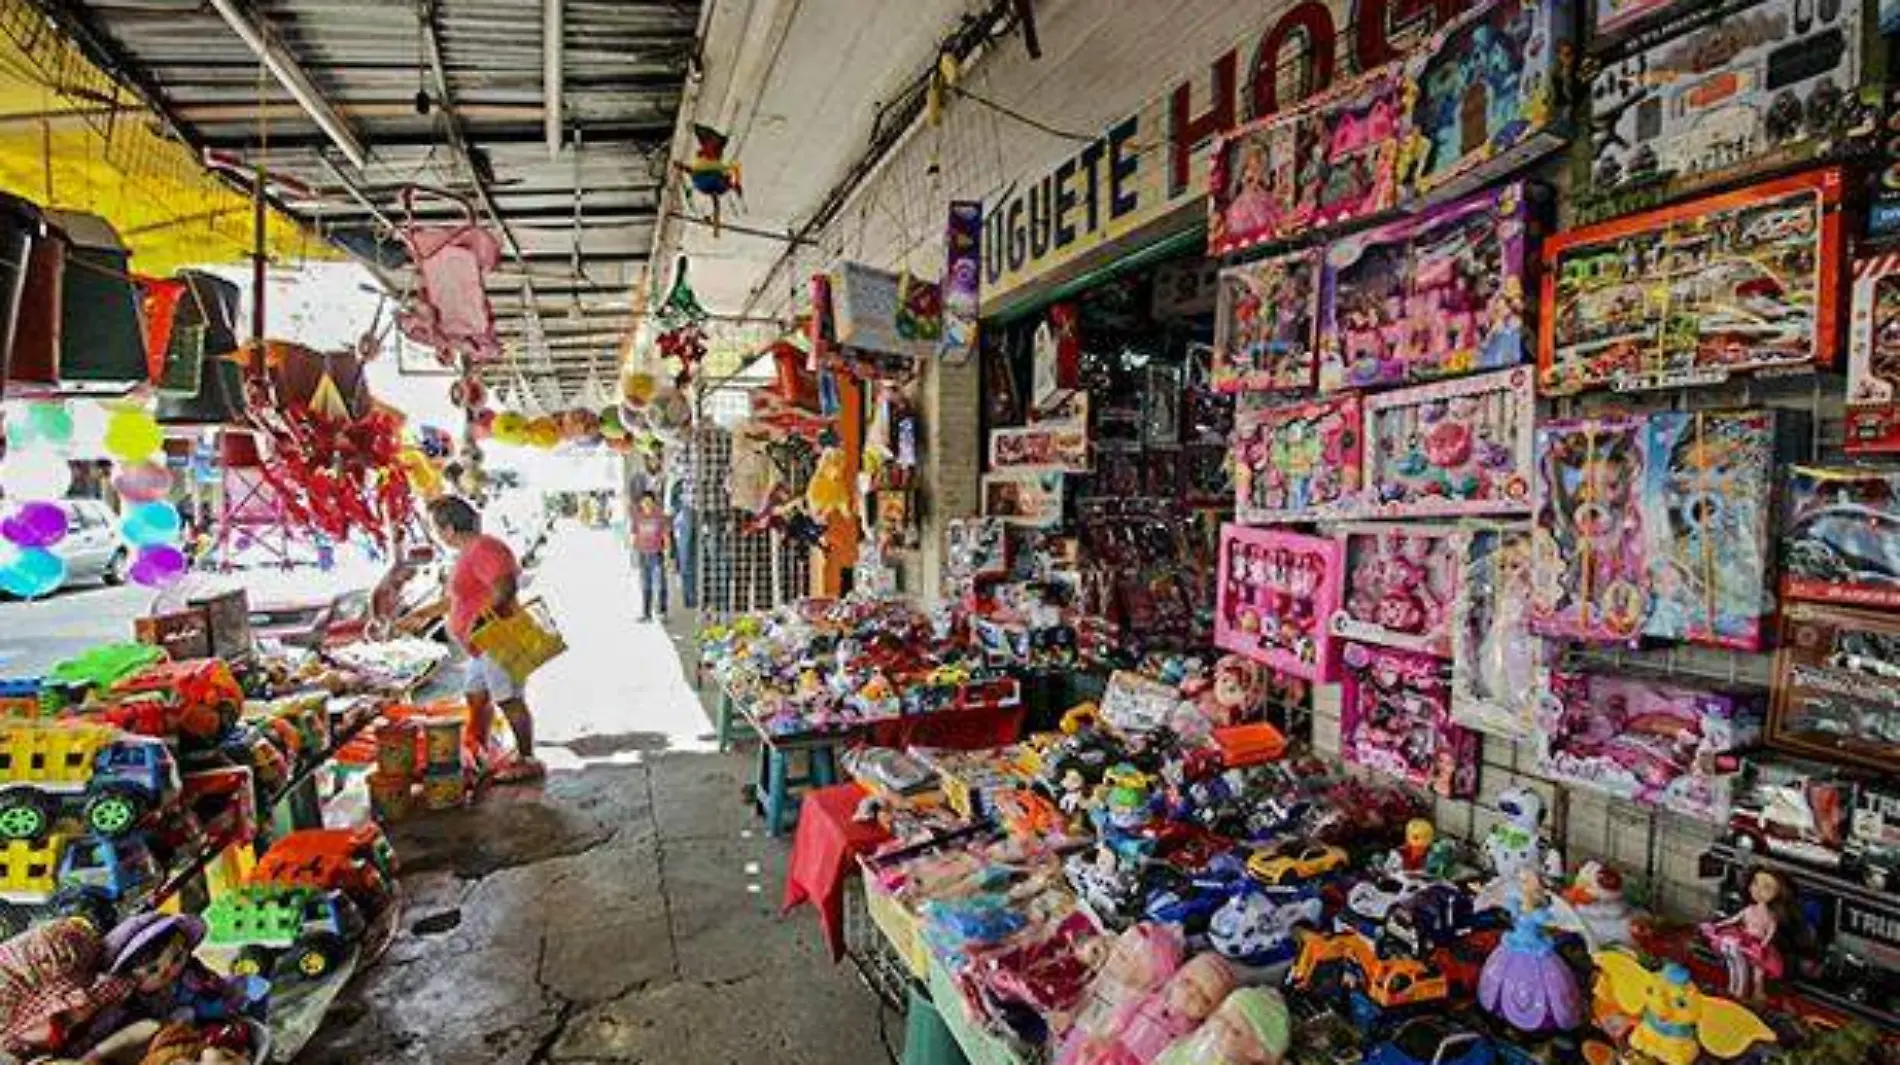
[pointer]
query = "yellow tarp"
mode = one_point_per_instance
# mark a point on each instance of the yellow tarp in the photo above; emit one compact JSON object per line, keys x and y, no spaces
{"x":72,"y":139}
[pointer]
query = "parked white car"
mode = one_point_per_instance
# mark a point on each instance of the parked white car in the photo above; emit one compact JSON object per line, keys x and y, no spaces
{"x":92,"y":549}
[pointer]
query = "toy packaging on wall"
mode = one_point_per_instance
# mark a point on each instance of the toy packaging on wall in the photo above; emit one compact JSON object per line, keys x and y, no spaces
{"x":1645,"y":741}
{"x":1837,"y":685}
{"x":1395,"y":718}
{"x":1276,"y":596}
{"x":1743,"y":281}
{"x":977,"y":549}
{"x":1841,"y":537}
{"x":1401,"y":583}
{"x":1428,"y":297}
{"x":1609,"y":16}
{"x":1489,"y":93}
{"x":1209,"y":477}
{"x":1329,"y":160}
{"x":1265,"y":325}
{"x":1708,"y":509}
{"x":1873,"y":357}
{"x":1031,"y":499}
{"x":1719,"y":91}
{"x":1495,"y":661}
{"x":1590,"y":577}
{"x":1041,"y":448}
{"x":1454,"y":447}
{"x":1298,"y":461}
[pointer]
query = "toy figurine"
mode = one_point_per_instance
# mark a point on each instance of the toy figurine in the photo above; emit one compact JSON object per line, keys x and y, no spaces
{"x":1749,"y":939}
{"x":1252,"y":1026}
{"x":1668,"y":1018}
{"x":1517,"y":842}
{"x":709,"y":174}
{"x":1412,"y":855}
{"x":1596,"y":895}
{"x":154,"y":952}
{"x":1524,"y":981}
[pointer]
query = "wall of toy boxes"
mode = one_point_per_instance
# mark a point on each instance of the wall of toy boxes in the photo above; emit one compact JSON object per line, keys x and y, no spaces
{"x":1540,"y":418}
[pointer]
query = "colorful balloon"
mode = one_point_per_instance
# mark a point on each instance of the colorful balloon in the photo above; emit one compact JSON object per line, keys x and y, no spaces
{"x":151,"y":525}
{"x":159,"y":566}
{"x":52,"y":423}
{"x":37,"y":524}
{"x":35,"y":475}
{"x":34,"y":572}
{"x":132,"y":435}
{"x":143,"y":482}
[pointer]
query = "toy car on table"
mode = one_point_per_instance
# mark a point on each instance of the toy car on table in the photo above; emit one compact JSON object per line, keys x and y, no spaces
{"x":117,"y":778}
{"x":1296,"y":863}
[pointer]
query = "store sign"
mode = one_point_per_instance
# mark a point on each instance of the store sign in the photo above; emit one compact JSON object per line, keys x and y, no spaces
{"x":1152,"y":163}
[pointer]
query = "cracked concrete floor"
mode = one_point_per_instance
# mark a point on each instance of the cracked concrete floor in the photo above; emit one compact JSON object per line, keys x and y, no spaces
{"x":627,"y":912}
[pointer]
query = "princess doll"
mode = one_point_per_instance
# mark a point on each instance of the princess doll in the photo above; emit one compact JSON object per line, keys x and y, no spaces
{"x":1525,"y":981}
{"x":1749,"y":939}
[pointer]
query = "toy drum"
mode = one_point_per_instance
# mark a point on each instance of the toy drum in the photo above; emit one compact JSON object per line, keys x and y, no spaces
{"x":443,"y":791}
{"x":391,"y":798}
{"x":442,"y":743}
{"x":396,"y":750}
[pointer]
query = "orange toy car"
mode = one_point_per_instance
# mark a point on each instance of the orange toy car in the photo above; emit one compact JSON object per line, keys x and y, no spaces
{"x":357,"y":861}
{"x":197,"y":699}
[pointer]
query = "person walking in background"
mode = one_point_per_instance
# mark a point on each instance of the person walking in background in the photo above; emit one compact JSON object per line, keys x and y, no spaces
{"x":484,"y":582}
{"x":650,"y":536}
{"x":680,"y":504}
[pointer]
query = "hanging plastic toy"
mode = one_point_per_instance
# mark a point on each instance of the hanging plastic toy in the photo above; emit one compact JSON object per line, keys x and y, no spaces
{"x":709,"y":174}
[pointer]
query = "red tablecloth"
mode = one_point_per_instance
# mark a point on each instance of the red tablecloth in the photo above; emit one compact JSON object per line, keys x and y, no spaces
{"x":955,"y":730}
{"x":823,"y":851}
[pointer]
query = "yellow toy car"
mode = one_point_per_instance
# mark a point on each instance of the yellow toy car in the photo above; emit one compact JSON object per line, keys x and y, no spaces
{"x":1296,"y":863}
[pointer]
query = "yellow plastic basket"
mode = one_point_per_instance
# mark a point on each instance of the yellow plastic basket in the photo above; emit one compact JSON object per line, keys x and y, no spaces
{"x":522,"y":642}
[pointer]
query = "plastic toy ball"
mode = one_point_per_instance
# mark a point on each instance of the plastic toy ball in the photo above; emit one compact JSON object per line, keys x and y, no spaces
{"x":51,"y":423}
{"x":35,"y":525}
{"x":142,"y":483}
{"x":35,"y":475}
{"x":159,"y":566}
{"x":132,"y":435}
{"x":151,"y":525}
{"x":34,"y":573}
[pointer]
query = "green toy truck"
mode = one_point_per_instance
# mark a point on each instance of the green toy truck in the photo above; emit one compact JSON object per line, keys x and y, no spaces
{"x":303,"y":932}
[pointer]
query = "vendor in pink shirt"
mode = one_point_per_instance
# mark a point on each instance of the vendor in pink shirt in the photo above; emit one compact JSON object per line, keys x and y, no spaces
{"x":484,"y":581}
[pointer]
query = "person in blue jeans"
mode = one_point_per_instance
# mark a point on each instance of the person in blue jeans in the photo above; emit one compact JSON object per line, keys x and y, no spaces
{"x":650,"y":535}
{"x":680,"y":503}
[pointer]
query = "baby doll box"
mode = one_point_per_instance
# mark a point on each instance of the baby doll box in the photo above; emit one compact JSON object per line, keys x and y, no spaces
{"x":1277,"y":594}
{"x":1707,"y":93}
{"x":1837,"y":686}
{"x":1648,"y":741}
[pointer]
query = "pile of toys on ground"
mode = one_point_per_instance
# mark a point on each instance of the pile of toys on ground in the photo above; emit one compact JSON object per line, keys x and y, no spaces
{"x":1161,"y":881}
{"x":130,"y":781}
{"x":819,"y":665}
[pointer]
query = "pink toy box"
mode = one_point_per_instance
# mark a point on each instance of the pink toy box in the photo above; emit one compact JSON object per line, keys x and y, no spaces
{"x":1428,"y":297}
{"x":1590,"y":572}
{"x":1646,"y":741}
{"x":1454,"y":447}
{"x":1277,"y":592}
{"x":1328,"y":161}
{"x":1297,"y":462}
{"x":1401,"y":583}
{"x":1395,"y":718}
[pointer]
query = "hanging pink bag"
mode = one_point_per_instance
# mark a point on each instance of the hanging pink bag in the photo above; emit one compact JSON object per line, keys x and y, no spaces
{"x":449,"y":310}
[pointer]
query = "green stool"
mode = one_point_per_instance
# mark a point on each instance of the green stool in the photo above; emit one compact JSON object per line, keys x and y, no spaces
{"x":778,"y":785}
{"x":927,"y":1040}
{"x":731,"y":723}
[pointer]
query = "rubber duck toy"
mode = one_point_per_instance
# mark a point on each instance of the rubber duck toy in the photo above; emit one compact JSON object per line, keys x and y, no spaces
{"x":1595,"y":894}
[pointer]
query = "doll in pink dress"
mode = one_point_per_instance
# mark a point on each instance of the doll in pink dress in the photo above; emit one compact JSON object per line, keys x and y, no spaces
{"x":1748,"y":939}
{"x":1252,"y":212}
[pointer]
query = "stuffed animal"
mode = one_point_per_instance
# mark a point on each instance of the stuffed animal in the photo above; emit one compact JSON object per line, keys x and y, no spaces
{"x":1667,"y":1017}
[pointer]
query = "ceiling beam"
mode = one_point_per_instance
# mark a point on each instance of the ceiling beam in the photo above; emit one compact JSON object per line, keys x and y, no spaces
{"x":553,"y":26}
{"x":458,"y":133}
{"x":650,"y":134}
{"x":290,"y":74}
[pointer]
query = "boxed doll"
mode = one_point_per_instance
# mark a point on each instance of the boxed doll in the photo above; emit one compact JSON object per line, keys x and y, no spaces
{"x":1276,"y":597}
{"x":1297,"y":461}
{"x":1401,"y":582}
{"x":1395,"y":718}
{"x":1495,"y":660}
{"x":1266,"y":325}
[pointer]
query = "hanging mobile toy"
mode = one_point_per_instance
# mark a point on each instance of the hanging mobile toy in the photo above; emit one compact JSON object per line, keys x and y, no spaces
{"x":709,"y":174}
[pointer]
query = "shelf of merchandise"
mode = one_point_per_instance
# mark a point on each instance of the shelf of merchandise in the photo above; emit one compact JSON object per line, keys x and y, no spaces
{"x":1833,"y":883}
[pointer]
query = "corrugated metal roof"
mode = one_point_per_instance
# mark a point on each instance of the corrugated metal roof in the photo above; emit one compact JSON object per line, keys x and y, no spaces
{"x":624,"y":70}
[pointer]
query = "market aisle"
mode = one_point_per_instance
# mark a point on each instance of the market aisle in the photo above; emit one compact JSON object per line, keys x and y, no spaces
{"x":616,"y":690}
{"x":626,"y":914}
